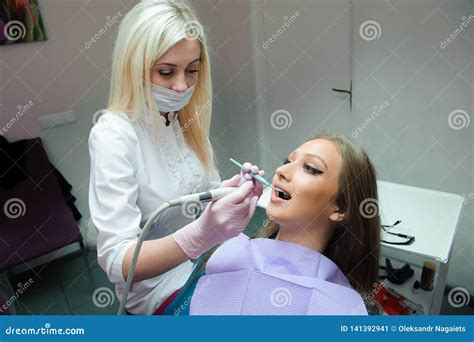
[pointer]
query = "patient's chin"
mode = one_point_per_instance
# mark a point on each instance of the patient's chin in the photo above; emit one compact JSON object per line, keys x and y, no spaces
{"x":278,"y":213}
{"x":272,"y":212}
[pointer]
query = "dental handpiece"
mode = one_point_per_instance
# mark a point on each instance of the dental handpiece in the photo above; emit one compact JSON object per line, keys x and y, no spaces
{"x":254,"y":175}
{"x":211,"y":195}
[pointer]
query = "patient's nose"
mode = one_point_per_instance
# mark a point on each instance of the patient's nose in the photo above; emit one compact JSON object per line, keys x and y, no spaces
{"x":284,"y":172}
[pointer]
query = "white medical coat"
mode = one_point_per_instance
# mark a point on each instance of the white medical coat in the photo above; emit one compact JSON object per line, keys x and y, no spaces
{"x":133,"y":171}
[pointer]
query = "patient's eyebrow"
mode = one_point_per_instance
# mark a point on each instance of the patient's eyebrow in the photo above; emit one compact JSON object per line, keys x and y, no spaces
{"x":310,"y":155}
{"x":317,"y":157}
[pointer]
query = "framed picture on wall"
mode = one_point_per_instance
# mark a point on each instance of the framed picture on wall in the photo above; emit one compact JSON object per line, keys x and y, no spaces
{"x":20,"y":22}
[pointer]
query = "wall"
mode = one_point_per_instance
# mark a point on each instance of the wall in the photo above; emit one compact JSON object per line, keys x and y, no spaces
{"x":412,"y":140}
{"x":66,"y":72}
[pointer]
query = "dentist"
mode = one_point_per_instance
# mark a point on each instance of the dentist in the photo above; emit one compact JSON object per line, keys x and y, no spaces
{"x":151,"y":145}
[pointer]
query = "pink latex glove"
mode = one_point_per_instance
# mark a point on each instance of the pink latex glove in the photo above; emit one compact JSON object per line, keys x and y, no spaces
{"x":245,"y":176}
{"x":222,"y":219}
{"x":245,"y":173}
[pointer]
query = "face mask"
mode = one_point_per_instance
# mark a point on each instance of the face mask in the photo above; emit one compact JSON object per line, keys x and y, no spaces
{"x":168,"y":100}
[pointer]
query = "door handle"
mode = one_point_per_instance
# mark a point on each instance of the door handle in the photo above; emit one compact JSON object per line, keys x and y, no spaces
{"x":347,"y":92}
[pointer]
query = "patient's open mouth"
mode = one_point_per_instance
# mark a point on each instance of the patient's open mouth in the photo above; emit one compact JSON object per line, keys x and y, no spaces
{"x":282,"y":194}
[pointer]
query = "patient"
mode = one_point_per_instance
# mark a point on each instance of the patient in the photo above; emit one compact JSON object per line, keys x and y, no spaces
{"x":319,"y":253}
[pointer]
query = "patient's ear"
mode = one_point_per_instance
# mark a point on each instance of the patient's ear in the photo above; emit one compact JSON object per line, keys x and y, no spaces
{"x":337,"y":216}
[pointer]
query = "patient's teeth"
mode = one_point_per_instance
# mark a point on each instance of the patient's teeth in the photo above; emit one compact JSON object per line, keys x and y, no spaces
{"x":283,"y":195}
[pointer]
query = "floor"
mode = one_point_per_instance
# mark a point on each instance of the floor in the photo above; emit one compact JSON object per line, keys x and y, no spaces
{"x":66,"y":287}
{"x":76,"y":285}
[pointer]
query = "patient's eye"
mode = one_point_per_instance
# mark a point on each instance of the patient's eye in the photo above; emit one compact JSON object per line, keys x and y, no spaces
{"x":308,"y":168}
{"x":312,"y":170}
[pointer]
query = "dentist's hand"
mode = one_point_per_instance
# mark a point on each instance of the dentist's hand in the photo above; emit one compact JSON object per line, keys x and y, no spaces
{"x":245,"y":176}
{"x":221,"y":220}
{"x":251,"y":168}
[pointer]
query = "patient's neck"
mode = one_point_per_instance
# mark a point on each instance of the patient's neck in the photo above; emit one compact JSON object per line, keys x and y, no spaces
{"x":313,"y":237}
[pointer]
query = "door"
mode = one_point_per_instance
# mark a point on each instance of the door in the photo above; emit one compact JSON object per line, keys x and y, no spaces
{"x":305,"y":51}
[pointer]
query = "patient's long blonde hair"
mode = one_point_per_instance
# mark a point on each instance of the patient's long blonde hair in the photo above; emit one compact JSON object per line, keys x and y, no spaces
{"x":147,"y":32}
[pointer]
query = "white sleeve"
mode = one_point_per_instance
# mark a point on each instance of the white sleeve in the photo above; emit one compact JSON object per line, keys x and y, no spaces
{"x":113,"y":193}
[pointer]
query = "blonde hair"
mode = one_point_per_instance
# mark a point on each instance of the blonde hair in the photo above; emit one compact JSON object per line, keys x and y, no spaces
{"x":147,"y":32}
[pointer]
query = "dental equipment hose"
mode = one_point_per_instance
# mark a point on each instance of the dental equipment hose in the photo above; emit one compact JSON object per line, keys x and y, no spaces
{"x":211,"y":195}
